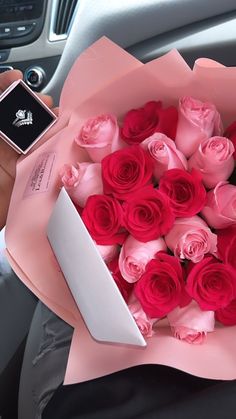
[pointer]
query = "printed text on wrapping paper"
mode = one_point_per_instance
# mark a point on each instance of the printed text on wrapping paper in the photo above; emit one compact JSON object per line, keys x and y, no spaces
{"x":40,"y":177}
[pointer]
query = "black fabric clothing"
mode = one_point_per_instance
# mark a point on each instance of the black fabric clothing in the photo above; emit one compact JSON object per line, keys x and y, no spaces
{"x":44,"y":363}
{"x":17,"y":306}
{"x":145,"y":392}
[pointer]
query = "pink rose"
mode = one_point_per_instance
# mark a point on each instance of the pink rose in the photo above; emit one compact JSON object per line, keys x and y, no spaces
{"x":108,"y":252}
{"x":142,"y":320}
{"x":190,"y":323}
{"x":220,"y":209}
{"x":135,"y":255}
{"x":164,"y":152}
{"x":197,"y":121}
{"x":81,"y":181}
{"x":189,"y":335}
{"x":125,"y":287}
{"x":100,"y":136}
{"x":214,"y":159}
{"x":191,"y":238}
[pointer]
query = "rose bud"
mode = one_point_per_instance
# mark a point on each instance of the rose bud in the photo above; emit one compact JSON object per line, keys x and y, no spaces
{"x":81,"y":181}
{"x":226,"y":245}
{"x":135,"y":255}
{"x":126,"y":171}
{"x":190,"y":323}
{"x":211,"y":284}
{"x":99,"y":136}
{"x":220,"y":209}
{"x":230,"y":133}
{"x":141,"y":123}
{"x":227,"y":315}
{"x":103,"y":217}
{"x":161,"y":288}
{"x":148,"y":214}
{"x":214,"y":159}
{"x":143,"y":321}
{"x":163,"y":150}
{"x":185,"y":190}
{"x":197,"y":121}
{"x":191,"y":238}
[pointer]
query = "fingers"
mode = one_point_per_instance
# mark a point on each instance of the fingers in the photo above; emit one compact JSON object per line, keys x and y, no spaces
{"x":46,"y":99}
{"x":56,"y":111}
{"x":8,"y":158}
{"x":7,"y":78}
{"x":6,"y":185}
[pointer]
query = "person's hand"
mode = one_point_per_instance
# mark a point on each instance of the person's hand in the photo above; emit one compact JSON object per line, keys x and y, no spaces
{"x":8,"y":156}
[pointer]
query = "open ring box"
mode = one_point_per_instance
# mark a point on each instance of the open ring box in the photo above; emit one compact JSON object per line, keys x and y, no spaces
{"x":24,"y":117}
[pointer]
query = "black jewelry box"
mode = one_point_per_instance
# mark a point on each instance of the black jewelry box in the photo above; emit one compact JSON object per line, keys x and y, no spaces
{"x":24,"y":118}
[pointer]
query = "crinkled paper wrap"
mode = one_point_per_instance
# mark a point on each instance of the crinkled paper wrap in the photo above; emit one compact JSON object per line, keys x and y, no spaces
{"x":105,"y":78}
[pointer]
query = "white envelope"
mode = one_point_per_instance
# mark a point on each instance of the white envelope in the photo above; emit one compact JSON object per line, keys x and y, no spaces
{"x":98,"y":298}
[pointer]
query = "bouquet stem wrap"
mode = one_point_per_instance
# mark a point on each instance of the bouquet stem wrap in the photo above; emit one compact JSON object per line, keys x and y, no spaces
{"x":107,"y":79}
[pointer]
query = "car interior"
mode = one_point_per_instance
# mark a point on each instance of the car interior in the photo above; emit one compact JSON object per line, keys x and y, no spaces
{"x":43,"y":38}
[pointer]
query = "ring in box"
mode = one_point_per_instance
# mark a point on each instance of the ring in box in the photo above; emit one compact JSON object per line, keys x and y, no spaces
{"x":24,"y":118}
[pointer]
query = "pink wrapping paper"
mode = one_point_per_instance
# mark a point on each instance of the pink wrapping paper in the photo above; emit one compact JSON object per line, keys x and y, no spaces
{"x":107,"y":79}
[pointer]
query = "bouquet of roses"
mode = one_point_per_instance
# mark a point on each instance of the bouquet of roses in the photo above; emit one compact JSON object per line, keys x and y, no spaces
{"x":146,"y":153}
{"x":155,"y":197}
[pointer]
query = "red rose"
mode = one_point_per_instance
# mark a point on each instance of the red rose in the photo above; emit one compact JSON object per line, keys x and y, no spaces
{"x":226,"y":245}
{"x":161,"y":288}
{"x":185,"y":190}
{"x":103,"y":217}
{"x":148,"y":215}
{"x":125,"y":287}
{"x":230,"y":133}
{"x":227,"y":315}
{"x":141,"y":123}
{"x":211,"y":284}
{"x":126,"y":171}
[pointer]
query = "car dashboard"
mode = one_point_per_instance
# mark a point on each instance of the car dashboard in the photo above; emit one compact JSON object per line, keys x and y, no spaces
{"x":33,"y":34}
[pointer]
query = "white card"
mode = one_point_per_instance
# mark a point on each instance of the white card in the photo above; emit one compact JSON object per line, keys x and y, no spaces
{"x":99,"y":300}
